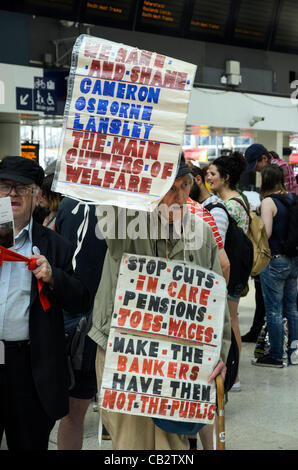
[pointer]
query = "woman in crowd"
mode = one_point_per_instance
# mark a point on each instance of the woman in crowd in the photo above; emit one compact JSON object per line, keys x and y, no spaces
{"x":279,"y":278}
{"x":223,"y":176}
{"x":50,"y":201}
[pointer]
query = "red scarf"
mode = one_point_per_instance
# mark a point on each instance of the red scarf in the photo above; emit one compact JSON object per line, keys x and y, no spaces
{"x":8,"y":255}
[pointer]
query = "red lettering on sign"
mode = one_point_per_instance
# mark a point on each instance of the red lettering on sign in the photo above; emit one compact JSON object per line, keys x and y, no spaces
{"x":147,"y":366}
{"x":181,"y":329}
{"x":152,"y":284}
{"x":172,"y":369}
{"x":131,"y":398}
{"x":167,"y":170}
{"x":123,"y":314}
{"x":109,"y":399}
{"x":70,"y":156}
{"x":194,"y":373}
{"x":121,"y":365}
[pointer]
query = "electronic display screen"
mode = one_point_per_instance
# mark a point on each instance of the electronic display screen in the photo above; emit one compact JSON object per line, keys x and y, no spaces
{"x":254,"y":20}
{"x":167,"y":13}
{"x":62,"y":9}
{"x":117,"y":12}
{"x":30,"y":150}
{"x":287,"y":28}
{"x":55,"y":4}
{"x":267,"y":24}
{"x":210,"y":17}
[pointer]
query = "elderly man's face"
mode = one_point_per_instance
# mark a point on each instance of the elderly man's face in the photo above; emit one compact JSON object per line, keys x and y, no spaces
{"x":23,"y":199}
{"x":177,"y":197}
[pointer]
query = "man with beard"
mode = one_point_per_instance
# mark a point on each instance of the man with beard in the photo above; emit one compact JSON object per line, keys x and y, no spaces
{"x":200,"y":194}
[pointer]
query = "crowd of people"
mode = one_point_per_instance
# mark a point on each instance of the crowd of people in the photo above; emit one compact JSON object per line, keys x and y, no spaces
{"x":55,"y":354}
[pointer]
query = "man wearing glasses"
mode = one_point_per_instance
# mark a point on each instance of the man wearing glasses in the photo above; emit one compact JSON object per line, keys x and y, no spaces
{"x":33,"y":378}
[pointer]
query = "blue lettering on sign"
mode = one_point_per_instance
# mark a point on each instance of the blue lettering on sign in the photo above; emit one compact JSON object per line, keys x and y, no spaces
{"x":85,"y":85}
{"x":77,"y":124}
{"x":91,"y":105}
{"x":103,"y":125}
{"x":121,"y":90}
{"x":147,"y":113}
{"x":91,"y":124}
{"x":102,"y":106}
{"x":113,"y":126}
{"x":130,"y":114}
{"x":125,"y":110}
{"x":80,"y":103}
{"x":148,"y":128}
{"x":109,"y":88}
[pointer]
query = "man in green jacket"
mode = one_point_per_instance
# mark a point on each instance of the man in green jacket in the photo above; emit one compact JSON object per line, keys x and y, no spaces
{"x":139,"y":432}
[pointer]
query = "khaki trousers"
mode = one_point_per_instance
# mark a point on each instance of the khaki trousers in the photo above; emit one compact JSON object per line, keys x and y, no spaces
{"x":129,"y":432}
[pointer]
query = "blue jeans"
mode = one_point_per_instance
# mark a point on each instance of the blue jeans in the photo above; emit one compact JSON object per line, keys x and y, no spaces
{"x":279,"y":286}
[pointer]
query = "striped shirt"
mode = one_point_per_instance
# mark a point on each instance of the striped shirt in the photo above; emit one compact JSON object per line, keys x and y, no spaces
{"x":199,"y":209}
{"x":219,"y":215}
{"x":289,"y":177}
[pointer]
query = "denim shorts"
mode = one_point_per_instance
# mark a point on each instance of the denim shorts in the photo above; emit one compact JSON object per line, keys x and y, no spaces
{"x":235,"y":298}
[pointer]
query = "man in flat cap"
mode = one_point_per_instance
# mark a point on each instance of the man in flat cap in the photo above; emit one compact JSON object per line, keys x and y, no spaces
{"x":130,"y":432}
{"x":33,"y":378}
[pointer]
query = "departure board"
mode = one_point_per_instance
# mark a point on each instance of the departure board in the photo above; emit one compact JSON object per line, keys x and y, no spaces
{"x":30,"y":150}
{"x":107,"y":12}
{"x":163,"y":14}
{"x":287,"y":29}
{"x":56,"y":4}
{"x":210,"y":17}
{"x":266,"y":24}
{"x":50,"y":7}
{"x":64,"y":9}
{"x":254,"y":20}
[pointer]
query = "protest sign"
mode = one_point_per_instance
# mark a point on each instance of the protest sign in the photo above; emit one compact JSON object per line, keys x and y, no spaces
{"x":164,"y":341}
{"x":6,"y":223}
{"x":123,"y":124}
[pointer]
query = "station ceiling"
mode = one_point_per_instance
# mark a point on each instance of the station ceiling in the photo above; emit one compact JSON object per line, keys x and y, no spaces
{"x":263,"y":24}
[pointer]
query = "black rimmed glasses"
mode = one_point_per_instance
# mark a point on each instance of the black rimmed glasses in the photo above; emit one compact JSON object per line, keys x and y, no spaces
{"x":20,"y":189}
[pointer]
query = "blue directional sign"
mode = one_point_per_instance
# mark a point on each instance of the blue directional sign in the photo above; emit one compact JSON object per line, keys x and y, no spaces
{"x":24,"y":99}
{"x":44,"y":95}
{"x":47,"y":96}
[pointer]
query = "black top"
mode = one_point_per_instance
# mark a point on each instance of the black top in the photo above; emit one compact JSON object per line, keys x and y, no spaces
{"x":280,"y":226}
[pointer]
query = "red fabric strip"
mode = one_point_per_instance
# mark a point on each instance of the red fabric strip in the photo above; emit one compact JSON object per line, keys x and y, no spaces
{"x":9,"y":255}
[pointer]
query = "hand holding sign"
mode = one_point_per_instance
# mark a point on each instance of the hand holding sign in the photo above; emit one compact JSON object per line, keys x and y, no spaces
{"x":123,"y":125}
{"x":165,"y":339}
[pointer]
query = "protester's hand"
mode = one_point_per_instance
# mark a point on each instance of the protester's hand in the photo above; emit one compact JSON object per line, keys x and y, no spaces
{"x":43,"y":269}
{"x":220,"y":369}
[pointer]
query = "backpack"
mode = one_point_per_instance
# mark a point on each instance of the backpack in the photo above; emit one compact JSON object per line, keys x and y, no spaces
{"x":240,"y":252}
{"x":258,"y":236}
{"x":75,"y":347}
{"x":290,"y":244}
